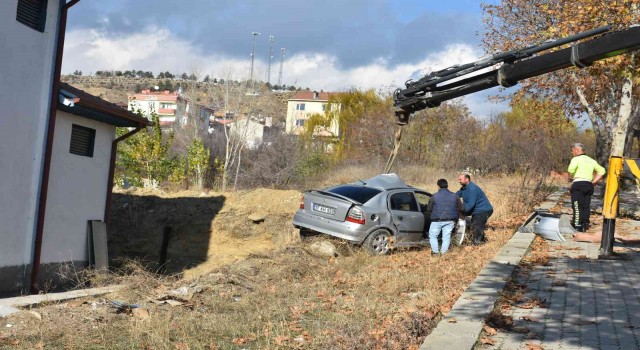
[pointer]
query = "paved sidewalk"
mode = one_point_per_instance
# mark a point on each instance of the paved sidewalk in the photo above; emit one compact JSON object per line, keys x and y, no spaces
{"x":576,"y":301}
{"x":460,"y":328}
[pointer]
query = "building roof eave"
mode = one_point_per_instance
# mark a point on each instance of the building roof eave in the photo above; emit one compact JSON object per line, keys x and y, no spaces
{"x":83,"y":104}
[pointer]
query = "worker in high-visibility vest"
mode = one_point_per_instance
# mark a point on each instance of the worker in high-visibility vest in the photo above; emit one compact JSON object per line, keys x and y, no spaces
{"x":581,"y":172}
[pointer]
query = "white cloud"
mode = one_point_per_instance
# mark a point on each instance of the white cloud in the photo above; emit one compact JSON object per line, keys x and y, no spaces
{"x":157,"y":49}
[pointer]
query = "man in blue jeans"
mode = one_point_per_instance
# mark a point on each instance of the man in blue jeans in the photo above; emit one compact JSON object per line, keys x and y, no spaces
{"x":444,"y":209}
{"x":477,"y":205}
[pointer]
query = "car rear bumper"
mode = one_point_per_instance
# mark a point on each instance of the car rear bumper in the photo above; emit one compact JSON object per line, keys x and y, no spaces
{"x":350,"y":231}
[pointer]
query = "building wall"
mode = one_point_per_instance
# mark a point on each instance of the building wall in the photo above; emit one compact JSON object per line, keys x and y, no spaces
{"x":310,"y":108}
{"x":77,"y":190}
{"x":178,"y":115}
{"x":145,"y":103}
{"x":251,"y":132}
{"x":27,"y":61}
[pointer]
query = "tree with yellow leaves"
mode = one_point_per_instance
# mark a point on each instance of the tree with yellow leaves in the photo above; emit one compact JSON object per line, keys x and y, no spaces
{"x":604,"y":91}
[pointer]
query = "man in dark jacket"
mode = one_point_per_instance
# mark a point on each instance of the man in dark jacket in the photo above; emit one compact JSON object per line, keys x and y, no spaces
{"x":477,"y":205}
{"x":444,"y":209}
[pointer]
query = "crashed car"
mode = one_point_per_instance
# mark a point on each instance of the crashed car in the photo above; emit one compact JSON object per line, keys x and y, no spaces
{"x":379,"y":213}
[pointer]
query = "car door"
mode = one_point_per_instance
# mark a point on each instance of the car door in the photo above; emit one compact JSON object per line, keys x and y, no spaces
{"x":423,"y":201}
{"x":406,"y":215}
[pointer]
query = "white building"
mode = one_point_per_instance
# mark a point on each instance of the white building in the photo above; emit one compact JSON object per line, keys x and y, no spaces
{"x":56,"y":144}
{"x":306,"y":104}
{"x":172,"y":109}
{"x":163,"y":103}
{"x":248,"y":130}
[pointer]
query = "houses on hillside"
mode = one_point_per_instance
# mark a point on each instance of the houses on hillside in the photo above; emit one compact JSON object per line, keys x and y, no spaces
{"x":174,"y":111}
{"x":60,"y":143}
{"x":172,"y":108}
{"x":306,"y":104}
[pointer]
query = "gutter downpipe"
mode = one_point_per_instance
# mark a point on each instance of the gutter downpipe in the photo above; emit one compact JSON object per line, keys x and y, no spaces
{"x":44,"y":182}
{"x":112,"y":165}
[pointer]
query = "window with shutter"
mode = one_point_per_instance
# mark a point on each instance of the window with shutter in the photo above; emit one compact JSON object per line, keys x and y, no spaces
{"x":32,"y":13}
{"x":82,"y":140}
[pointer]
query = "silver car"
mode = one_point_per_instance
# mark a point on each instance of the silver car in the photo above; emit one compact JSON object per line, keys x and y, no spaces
{"x":380,"y":213}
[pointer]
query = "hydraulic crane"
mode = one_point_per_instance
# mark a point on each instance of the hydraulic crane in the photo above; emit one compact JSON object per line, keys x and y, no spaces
{"x":516,"y":65}
{"x":507,"y":69}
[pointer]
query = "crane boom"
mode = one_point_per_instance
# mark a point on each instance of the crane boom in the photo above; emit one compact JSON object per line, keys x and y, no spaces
{"x":457,"y":81}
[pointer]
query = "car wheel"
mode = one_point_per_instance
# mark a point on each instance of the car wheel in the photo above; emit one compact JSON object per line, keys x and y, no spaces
{"x":378,"y":242}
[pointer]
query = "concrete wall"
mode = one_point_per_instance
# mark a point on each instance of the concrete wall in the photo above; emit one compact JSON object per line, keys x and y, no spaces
{"x":26,"y":68}
{"x":77,"y":191}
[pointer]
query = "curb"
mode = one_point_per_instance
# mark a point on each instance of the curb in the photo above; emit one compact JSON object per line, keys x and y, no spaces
{"x":460,"y":328}
{"x":9,"y":306}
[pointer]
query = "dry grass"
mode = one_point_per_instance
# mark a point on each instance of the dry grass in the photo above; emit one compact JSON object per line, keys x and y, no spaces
{"x":282,"y":298}
{"x":275,"y":300}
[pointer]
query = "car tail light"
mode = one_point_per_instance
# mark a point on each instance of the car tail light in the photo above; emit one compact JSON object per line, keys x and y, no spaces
{"x":356,"y":215}
{"x":302,"y":202}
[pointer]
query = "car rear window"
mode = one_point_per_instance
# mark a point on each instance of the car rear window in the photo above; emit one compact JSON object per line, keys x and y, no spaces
{"x":357,"y":193}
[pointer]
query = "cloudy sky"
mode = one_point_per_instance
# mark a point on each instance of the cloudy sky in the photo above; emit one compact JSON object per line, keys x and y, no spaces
{"x":330,"y":45}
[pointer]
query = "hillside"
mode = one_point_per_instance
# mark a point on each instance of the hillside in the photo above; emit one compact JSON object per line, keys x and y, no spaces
{"x":116,"y":89}
{"x":252,"y":283}
{"x":207,"y":230}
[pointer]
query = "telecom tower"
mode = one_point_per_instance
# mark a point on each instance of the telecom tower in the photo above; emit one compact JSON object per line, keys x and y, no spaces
{"x":271,"y":39}
{"x":282,"y":52}
{"x":253,"y":54}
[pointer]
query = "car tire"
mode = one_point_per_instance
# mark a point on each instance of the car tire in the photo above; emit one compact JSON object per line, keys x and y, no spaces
{"x":378,"y":242}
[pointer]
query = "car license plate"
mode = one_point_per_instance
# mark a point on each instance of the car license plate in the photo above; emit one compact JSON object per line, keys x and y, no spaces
{"x":324,"y":209}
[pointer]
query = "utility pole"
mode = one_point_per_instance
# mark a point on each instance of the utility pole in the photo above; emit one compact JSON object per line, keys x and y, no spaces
{"x":282,"y":52}
{"x":271,"y":39}
{"x":253,"y":54}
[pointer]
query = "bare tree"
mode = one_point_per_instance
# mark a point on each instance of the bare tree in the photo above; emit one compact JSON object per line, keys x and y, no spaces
{"x":191,"y":126}
{"x":234,"y":99}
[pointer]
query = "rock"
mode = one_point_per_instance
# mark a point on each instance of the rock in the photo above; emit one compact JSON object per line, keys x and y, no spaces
{"x":140,"y":313}
{"x":257,"y":217}
{"x":299,"y":339}
{"x":323,"y":249}
{"x":35,"y":314}
{"x":182,"y":291}
{"x":416,"y":295}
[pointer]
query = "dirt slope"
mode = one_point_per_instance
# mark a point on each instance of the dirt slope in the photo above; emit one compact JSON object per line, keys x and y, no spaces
{"x":207,"y":230}
{"x":272,"y":299}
